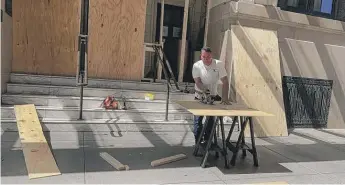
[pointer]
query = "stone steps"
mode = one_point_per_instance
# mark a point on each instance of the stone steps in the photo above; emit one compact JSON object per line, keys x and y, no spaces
{"x":105,"y":125}
{"x":7,"y":112}
{"x":95,"y":83}
{"x":108,"y":125}
{"x":54,"y":90}
{"x":57,"y":104}
{"x":88,"y":102}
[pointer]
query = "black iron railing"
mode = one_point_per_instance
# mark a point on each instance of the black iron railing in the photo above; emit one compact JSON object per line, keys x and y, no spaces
{"x":307,"y":101}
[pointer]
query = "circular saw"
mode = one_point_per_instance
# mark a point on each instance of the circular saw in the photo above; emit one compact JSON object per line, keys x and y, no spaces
{"x":206,"y":98}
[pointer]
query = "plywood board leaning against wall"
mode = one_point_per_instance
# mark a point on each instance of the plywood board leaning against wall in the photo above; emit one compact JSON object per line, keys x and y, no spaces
{"x":45,"y":36}
{"x":116,"y":39}
{"x":226,"y":57}
{"x":257,"y":77}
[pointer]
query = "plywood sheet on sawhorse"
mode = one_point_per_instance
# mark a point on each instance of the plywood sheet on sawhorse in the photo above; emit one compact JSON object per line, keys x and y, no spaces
{"x":256,"y":77}
{"x":217,"y":109}
{"x":38,"y":156}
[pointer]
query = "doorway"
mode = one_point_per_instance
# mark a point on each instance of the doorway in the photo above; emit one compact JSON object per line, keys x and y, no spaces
{"x":172,"y":33}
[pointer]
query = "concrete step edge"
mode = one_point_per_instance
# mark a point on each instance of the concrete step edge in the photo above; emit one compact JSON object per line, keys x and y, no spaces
{"x":100,"y":121}
{"x":107,"y":121}
{"x":44,"y":96}
{"x":181,"y":111}
{"x":94,"y":88}
{"x":72,"y":78}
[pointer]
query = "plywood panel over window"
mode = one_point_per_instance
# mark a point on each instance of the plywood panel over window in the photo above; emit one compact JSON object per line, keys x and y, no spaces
{"x":45,"y":36}
{"x":116,"y":38}
{"x":257,"y":77}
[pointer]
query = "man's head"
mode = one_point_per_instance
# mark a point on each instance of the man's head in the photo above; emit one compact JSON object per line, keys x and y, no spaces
{"x":206,"y":55}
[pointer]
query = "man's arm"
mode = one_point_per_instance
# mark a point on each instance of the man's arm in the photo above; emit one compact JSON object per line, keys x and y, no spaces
{"x":199,"y":84}
{"x":196,"y":76}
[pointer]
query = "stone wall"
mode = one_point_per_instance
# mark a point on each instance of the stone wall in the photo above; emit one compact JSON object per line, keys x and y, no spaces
{"x":310,"y":47}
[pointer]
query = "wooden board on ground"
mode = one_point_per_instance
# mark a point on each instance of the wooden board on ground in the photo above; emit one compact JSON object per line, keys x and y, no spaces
{"x":39,"y":159}
{"x":45,"y":36}
{"x":116,"y":39}
{"x":113,"y":162}
{"x":167,"y":160}
{"x":256,"y":77}
{"x":235,"y":109}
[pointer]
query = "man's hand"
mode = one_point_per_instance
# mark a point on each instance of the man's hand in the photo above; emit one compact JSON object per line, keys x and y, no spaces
{"x":199,"y":84}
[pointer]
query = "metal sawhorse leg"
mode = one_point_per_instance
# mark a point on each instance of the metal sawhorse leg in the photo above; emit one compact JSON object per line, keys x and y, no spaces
{"x":212,"y":136}
{"x":240,"y":143}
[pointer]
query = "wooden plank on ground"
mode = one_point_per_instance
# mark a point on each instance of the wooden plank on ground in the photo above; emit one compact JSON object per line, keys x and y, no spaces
{"x":38,"y":156}
{"x":113,"y":162}
{"x":257,"y":77}
{"x":168,"y":160}
{"x":200,"y":109}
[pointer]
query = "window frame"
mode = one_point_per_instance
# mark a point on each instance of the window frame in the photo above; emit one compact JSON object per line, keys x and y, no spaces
{"x":309,"y":9}
{"x":8,"y":7}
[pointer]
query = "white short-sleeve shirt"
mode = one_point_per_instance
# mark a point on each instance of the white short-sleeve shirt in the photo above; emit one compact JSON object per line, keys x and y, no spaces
{"x":210,"y":75}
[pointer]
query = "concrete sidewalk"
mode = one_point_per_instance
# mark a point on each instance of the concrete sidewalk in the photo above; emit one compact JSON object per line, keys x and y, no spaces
{"x":306,"y":156}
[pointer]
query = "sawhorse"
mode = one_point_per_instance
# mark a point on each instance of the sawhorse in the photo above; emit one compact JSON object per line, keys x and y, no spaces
{"x":240,"y":143}
{"x":218,"y":110}
{"x":212,"y":136}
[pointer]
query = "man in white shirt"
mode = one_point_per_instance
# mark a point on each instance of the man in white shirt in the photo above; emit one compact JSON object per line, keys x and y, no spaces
{"x":207,"y":74}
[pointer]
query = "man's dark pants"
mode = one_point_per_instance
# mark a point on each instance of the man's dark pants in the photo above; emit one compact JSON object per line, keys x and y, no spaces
{"x":198,"y":124}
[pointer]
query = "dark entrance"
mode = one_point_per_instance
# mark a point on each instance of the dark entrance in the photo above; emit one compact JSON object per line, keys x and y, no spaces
{"x":172,"y":33}
{"x":306,"y":101}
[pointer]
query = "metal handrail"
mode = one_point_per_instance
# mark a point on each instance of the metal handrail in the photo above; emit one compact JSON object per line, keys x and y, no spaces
{"x":81,"y":76}
{"x":163,"y":60}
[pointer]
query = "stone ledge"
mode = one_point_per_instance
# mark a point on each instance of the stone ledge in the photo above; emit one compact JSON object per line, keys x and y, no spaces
{"x":266,"y":2}
{"x":272,"y":14}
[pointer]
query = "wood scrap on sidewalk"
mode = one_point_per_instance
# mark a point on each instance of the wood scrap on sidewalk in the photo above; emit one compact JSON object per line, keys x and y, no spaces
{"x":113,"y":162}
{"x":167,"y":160}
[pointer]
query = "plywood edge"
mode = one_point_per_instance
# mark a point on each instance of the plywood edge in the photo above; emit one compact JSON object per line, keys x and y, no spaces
{"x":248,"y":113}
{"x":42,"y":175}
{"x":217,"y":109}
